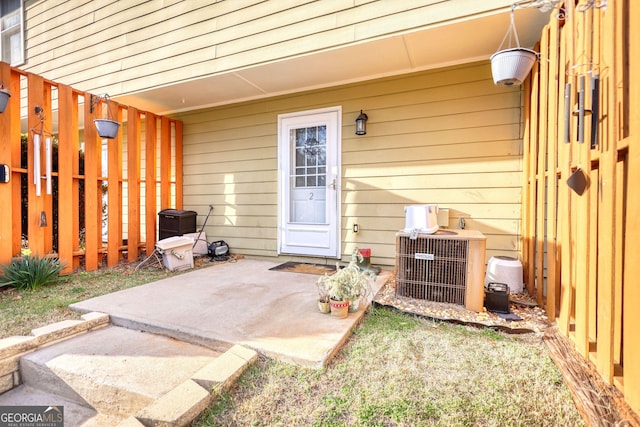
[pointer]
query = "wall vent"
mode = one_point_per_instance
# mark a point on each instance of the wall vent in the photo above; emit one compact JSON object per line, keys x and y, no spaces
{"x":447,"y":266}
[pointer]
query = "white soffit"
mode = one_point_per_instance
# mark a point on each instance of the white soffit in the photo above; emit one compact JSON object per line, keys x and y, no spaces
{"x":438,"y":46}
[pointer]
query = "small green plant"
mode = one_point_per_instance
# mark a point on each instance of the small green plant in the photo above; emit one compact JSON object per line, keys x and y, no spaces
{"x":323,"y":292}
{"x":30,"y":272}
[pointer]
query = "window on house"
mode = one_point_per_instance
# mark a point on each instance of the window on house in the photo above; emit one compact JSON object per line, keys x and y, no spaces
{"x":11,"y":31}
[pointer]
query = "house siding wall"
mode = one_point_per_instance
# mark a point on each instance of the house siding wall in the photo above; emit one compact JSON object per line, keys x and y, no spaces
{"x":126,"y":46}
{"x":447,"y":137}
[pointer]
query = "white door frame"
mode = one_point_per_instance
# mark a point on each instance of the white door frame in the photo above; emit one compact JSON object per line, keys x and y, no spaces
{"x":310,"y":239}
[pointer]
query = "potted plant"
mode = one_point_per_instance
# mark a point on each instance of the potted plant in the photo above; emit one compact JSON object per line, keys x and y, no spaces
{"x":107,"y":128}
{"x":323,"y":297}
{"x":346,"y":286}
{"x":511,"y":66}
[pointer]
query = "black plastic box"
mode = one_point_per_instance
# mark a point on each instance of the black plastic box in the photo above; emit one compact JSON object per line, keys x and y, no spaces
{"x":496,"y":297}
{"x":174,"y":222}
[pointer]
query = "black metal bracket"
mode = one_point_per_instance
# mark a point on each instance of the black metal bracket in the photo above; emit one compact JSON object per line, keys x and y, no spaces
{"x":95,"y":100}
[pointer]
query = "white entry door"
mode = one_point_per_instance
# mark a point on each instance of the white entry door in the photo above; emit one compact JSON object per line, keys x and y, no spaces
{"x":309,"y":168}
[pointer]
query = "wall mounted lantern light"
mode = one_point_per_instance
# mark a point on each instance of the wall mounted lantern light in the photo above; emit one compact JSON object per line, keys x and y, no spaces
{"x":107,"y":128}
{"x":4,"y":98}
{"x":361,"y":124}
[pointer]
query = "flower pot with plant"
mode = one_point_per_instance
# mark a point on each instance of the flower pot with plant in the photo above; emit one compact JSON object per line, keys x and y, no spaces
{"x":107,"y":128}
{"x":346,"y":285}
{"x":323,"y":297}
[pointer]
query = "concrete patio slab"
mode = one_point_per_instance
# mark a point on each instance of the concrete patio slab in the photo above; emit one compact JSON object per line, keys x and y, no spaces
{"x":243,"y":302}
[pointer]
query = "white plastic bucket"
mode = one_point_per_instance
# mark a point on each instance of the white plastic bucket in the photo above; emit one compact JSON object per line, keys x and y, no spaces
{"x":177,"y":252}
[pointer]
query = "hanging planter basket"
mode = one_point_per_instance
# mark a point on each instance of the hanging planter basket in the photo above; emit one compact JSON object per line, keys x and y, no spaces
{"x":511,"y":66}
{"x":4,"y":98}
{"x":107,"y":128}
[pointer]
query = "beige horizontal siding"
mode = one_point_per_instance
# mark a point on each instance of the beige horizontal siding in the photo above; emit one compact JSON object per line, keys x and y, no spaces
{"x":127,"y":46}
{"x":447,"y":137}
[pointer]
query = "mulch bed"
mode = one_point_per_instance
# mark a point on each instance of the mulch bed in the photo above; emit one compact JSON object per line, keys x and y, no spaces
{"x":534,"y":318}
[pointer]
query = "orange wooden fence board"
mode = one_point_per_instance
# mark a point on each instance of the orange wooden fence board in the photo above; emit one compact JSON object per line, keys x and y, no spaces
{"x":36,"y":206}
{"x":178,"y":164}
{"x":133,"y":183}
{"x":165,"y":163}
{"x":114,"y":191}
{"x":81,"y":244}
{"x":6,"y":190}
{"x":67,"y":149}
{"x":631,"y":292}
{"x":596,"y":263}
{"x":92,"y":191}
{"x":150,"y":180}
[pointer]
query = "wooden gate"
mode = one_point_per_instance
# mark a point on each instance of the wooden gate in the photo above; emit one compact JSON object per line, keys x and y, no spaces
{"x":582,"y":245}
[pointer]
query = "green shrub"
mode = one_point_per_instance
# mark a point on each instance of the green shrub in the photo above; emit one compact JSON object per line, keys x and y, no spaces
{"x":30,"y":272}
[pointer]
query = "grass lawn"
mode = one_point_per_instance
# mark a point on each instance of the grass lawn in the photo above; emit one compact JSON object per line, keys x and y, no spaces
{"x":395,"y":370}
{"x":22,"y":311}
{"x":402,"y":370}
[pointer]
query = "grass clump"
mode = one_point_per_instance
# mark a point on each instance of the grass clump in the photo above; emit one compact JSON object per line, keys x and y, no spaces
{"x":30,"y":272}
{"x":401,"y":370}
{"x":22,"y":310}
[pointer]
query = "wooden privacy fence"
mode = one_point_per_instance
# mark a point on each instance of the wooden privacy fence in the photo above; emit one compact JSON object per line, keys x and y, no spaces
{"x":581,"y":251}
{"x":103,"y":213}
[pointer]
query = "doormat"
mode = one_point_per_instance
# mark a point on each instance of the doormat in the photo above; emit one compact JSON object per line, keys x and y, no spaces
{"x":303,"y":267}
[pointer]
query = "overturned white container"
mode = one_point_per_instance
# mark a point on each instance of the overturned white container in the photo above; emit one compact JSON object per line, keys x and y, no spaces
{"x":421,"y":219}
{"x":177,"y":252}
{"x":507,"y":270}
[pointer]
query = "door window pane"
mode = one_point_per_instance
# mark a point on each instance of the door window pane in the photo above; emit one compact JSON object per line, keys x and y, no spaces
{"x":310,"y":155}
{"x":308,"y":169}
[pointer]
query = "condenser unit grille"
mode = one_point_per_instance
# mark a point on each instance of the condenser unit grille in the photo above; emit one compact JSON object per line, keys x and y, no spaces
{"x":433,"y":269}
{"x":447,"y":267}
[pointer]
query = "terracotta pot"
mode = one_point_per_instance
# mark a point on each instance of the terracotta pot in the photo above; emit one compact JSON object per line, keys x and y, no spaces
{"x":339,"y":309}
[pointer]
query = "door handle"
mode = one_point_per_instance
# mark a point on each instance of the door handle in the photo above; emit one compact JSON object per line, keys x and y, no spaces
{"x":332,"y":185}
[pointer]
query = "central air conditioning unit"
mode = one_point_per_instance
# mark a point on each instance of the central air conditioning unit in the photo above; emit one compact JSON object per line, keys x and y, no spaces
{"x":447,"y":266}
